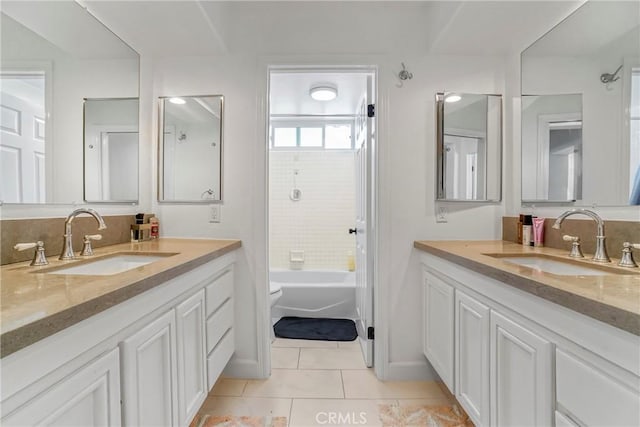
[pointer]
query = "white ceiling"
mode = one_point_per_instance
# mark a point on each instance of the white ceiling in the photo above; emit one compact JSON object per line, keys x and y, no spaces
{"x":186,"y":28}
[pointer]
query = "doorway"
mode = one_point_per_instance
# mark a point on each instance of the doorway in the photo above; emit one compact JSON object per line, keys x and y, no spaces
{"x":321,"y":169}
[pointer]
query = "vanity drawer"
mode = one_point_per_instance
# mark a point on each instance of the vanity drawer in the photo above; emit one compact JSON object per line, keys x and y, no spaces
{"x":219,"y":323}
{"x":219,"y":291}
{"x":218,"y":358}
{"x":592,"y":395}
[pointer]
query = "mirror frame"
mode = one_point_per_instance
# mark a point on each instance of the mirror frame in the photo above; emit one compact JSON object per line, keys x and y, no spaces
{"x":84,"y":154}
{"x":440,"y":167}
{"x":160,"y":177}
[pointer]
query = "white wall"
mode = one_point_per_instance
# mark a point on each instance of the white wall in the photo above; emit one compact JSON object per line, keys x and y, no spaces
{"x":406,"y":119}
{"x":316,"y":224}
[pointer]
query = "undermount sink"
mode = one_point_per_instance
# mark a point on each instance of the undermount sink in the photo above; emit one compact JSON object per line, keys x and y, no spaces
{"x":111,"y":264}
{"x":554,"y":265}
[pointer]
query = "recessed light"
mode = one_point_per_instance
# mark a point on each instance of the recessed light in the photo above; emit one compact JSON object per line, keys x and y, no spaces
{"x":323,"y":92}
{"x":452,"y":98}
{"x":178,"y":101}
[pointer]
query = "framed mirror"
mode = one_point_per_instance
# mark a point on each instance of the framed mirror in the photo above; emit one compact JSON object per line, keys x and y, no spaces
{"x":468,"y":147}
{"x":581,"y":109}
{"x":111,"y":150}
{"x":190,"y":149}
{"x":53,"y":56}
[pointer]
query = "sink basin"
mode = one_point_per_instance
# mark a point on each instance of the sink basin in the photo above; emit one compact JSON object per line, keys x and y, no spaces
{"x":553,"y":265}
{"x":112,"y":264}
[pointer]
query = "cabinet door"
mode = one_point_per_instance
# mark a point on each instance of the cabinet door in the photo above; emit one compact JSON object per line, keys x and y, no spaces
{"x":149,"y":374}
{"x":521,"y":375}
{"x":192,"y":377}
{"x":438,"y":326}
{"x":472,"y":357}
{"x":87,"y":397}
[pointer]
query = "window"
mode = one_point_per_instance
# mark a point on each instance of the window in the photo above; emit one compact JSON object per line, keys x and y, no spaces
{"x":311,"y":135}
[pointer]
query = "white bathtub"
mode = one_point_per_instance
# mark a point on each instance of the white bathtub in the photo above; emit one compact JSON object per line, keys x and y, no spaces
{"x":315,"y":293}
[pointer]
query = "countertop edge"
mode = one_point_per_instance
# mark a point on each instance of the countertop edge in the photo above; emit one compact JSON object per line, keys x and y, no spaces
{"x":22,"y":337}
{"x":600,"y":311}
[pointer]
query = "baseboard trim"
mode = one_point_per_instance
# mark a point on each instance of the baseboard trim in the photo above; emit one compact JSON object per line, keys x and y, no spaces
{"x":406,"y":371}
{"x":243,"y":368}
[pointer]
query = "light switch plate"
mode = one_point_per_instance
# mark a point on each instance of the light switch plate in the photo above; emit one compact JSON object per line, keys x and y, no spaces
{"x":441,"y":214}
{"x":214,"y":213}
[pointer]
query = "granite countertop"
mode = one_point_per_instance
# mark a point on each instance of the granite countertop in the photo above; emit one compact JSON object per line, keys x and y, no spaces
{"x":35,"y":305}
{"x":613,"y":298}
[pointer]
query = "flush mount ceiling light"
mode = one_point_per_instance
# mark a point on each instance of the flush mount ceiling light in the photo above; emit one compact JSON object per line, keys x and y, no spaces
{"x":452,"y":98}
{"x":324,"y":92}
{"x":178,"y":101}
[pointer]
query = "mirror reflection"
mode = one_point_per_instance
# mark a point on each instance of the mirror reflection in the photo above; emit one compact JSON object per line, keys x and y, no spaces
{"x":191,"y":149}
{"x":581,"y":109}
{"x":469,"y":146}
{"x":111,"y":150}
{"x":46,"y":72}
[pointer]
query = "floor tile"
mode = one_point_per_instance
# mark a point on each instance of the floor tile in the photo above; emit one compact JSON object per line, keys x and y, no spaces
{"x":363,"y":384}
{"x":284,"y":357}
{"x":228,"y":387}
{"x":297,"y":383}
{"x":346,"y":412}
{"x":246,"y":406}
{"x":330,"y":358}
{"x":286,"y":342}
{"x":424,"y":415}
{"x":350,"y":345}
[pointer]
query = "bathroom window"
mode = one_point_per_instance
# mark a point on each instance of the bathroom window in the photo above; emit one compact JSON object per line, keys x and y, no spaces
{"x":312,"y":135}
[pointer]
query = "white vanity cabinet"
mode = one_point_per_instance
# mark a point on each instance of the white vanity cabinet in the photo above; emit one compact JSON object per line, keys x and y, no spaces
{"x":521,"y":371}
{"x":149,"y":374}
{"x":518,"y":359}
{"x":87,"y":397}
{"x":438,"y":326}
{"x":472,"y":333}
{"x":148,"y":361}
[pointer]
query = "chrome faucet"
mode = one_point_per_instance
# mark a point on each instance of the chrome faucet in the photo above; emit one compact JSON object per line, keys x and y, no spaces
{"x":601,"y":250}
{"x":67,"y":249}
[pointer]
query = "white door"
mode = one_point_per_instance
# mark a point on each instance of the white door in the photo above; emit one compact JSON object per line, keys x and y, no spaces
{"x":472,"y":357}
{"x":88,"y":397}
{"x":364,"y":141}
{"x":21,"y":151}
{"x":149,"y":374}
{"x":192,"y":376}
{"x":521,"y":375}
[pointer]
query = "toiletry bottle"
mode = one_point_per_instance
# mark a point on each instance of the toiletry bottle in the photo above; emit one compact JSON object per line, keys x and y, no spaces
{"x":527,"y":230}
{"x":351,"y":261}
{"x":155,"y":227}
{"x":538,"y":232}
{"x":520,"y":224}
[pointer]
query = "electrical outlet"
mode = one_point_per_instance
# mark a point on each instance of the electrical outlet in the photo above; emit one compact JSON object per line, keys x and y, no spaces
{"x":441,"y":214}
{"x":214,"y":213}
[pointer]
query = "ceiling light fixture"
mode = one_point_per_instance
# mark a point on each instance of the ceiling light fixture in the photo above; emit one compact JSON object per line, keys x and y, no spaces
{"x":178,"y":101}
{"x":452,"y":98}
{"x":323,"y":92}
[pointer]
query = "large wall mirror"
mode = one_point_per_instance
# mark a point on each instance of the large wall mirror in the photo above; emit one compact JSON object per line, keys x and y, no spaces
{"x":53,"y":56}
{"x":190,"y":149}
{"x":581,"y":109}
{"x":469,"y":147}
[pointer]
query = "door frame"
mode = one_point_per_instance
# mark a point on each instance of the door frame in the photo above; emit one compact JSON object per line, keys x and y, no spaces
{"x":263,"y":296}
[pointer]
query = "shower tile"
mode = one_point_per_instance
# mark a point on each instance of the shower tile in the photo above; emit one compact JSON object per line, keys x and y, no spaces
{"x":284,"y":357}
{"x":246,"y":406}
{"x":290,"y":383}
{"x":287,"y":342}
{"x":228,"y":387}
{"x":316,"y":412}
{"x":363,"y":384}
{"x":330,"y":358}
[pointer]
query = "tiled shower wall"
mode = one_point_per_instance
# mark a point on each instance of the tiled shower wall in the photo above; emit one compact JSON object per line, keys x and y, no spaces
{"x":318,"y":223}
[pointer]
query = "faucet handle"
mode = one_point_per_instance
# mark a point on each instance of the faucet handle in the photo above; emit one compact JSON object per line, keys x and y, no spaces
{"x":39,"y":258}
{"x":576,"y":251}
{"x":627,"y":254}
{"x":87,"y":250}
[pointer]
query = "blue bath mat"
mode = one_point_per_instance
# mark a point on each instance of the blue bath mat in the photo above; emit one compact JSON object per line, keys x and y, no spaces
{"x":306,"y":328}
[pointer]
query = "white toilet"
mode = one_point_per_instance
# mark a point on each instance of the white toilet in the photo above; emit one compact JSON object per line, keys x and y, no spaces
{"x":275,"y":291}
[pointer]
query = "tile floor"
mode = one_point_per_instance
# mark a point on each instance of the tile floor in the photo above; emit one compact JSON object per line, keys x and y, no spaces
{"x":312,"y":381}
